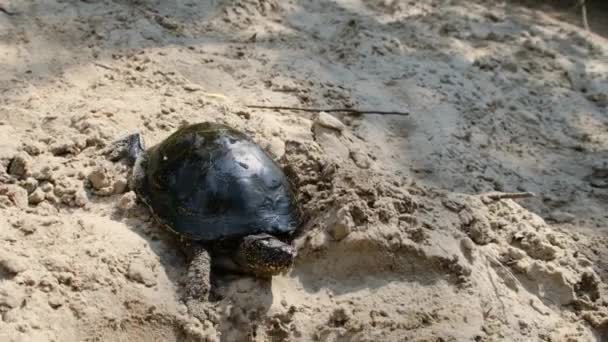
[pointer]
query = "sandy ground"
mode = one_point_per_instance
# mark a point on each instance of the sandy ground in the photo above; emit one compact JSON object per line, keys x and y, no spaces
{"x":403,"y":240}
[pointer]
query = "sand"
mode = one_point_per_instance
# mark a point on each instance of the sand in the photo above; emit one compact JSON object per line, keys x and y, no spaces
{"x":404,"y":238}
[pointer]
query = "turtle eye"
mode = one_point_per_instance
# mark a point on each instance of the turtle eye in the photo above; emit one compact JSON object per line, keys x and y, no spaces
{"x":156,"y":183}
{"x":160,"y":182}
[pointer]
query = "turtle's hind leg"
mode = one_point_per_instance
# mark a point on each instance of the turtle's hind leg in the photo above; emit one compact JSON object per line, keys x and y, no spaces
{"x":197,"y":287}
{"x":129,"y":147}
{"x":198,"y":283}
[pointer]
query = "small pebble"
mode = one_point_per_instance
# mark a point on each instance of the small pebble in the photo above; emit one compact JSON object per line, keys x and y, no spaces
{"x":36,"y":197}
{"x":28,"y":228}
{"x":19,"y":165}
{"x":342,"y":226}
{"x":16,"y":194}
{"x":339,"y":317}
{"x":11,"y":316}
{"x":599,"y":183}
{"x":360,"y":159}
{"x":63,"y":147}
{"x":467,"y":244}
{"x":244,"y":114}
{"x":46,"y":173}
{"x":46,"y":186}
{"x":30,"y":184}
{"x":34,"y":148}
{"x":127,"y":201}
{"x":99,"y":178}
{"x":10,"y":296}
{"x":120,"y":186}
{"x":81,"y":175}
{"x":192,"y":87}
{"x":55,"y":301}
{"x":80,"y":198}
{"x":51,"y":197}
{"x":140,"y":273}
{"x":329,"y":121}
{"x":12,"y":264}
{"x":167,"y":22}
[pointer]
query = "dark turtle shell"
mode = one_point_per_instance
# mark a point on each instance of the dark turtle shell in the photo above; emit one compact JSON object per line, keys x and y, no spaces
{"x":208,"y":181}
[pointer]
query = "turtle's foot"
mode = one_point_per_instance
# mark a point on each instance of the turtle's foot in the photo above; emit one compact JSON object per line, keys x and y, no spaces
{"x":198,"y":283}
{"x":264,"y":255}
{"x":129,"y":147}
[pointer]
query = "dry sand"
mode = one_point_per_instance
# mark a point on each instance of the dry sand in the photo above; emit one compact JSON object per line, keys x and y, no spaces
{"x":402,"y":241}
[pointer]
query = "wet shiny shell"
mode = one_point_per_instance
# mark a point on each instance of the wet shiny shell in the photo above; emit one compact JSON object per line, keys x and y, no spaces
{"x":208,"y":181}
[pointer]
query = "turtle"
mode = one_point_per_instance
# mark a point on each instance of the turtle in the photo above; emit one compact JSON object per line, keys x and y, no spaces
{"x":228,"y":201}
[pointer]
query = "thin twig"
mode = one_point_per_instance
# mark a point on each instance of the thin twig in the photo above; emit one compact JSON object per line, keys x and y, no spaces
{"x":493,"y":261}
{"x":497,"y":196}
{"x":584,"y":14}
{"x":330,"y":110}
{"x":7,"y":12}
{"x":498,"y":296}
{"x":101,"y":65}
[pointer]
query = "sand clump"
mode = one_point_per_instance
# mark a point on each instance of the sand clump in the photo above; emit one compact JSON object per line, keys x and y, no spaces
{"x":404,"y":237}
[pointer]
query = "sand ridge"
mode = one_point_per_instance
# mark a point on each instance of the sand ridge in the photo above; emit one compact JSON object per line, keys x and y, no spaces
{"x":402,"y":239}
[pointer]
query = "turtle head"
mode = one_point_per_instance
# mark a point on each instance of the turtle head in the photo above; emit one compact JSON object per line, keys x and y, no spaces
{"x":265,"y":255}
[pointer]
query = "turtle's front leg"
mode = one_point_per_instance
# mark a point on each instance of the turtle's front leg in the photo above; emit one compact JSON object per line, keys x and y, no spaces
{"x":198,"y":283}
{"x":129,"y":147}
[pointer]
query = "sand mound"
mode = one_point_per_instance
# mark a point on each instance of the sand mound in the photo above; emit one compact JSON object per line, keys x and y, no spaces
{"x":405,"y":234}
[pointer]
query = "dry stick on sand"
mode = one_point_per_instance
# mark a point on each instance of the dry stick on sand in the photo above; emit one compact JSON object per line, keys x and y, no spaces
{"x":584,"y":14}
{"x":101,"y":65}
{"x":7,"y":12}
{"x":497,"y":196}
{"x":512,"y":195}
{"x":330,"y":110}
